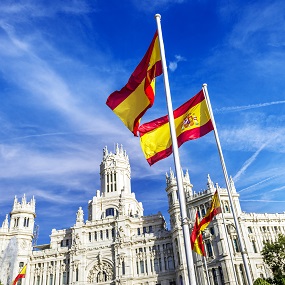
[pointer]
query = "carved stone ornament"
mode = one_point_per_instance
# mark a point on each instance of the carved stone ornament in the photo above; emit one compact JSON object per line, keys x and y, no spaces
{"x":101,"y":272}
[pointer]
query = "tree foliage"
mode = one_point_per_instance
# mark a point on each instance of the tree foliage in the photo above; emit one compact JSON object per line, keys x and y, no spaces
{"x":260,"y":281}
{"x":274,"y":256}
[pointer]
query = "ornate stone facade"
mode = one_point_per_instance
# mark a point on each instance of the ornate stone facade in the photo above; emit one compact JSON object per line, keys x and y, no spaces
{"x":117,"y":244}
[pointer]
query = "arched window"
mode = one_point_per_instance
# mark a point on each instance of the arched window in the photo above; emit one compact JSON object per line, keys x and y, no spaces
{"x":170,"y":263}
{"x":226,"y":207}
{"x":110,"y":212}
{"x":101,"y":276}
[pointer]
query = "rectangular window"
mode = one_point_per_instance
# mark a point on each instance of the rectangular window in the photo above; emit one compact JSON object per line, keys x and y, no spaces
{"x":170,"y":199}
{"x":215,"y":278}
{"x":236,"y":247}
{"x":209,"y":248}
{"x":64,"y":278}
{"x":156,"y":265}
{"x":142,"y":266}
{"x":50,"y":279}
{"x":123,"y":268}
{"x":137,"y":268}
{"x":221,"y":275}
{"x":254,"y":247}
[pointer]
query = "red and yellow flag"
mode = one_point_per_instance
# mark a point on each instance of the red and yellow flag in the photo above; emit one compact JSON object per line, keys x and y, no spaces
{"x":22,"y":274}
{"x":192,"y":120}
{"x":197,"y":239}
{"x":133,"y":100}
{"x":214,"y":209}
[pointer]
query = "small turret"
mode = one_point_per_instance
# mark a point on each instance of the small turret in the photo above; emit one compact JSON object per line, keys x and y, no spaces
{"x":115,"y":172}
{"x":23,"y":215}
{"x":232,"y":185}
{"x":210,"y":184}
{"x":5,"y":225}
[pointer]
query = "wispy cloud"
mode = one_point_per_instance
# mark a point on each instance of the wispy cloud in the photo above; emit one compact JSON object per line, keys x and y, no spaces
{"x":23,"y":10}
{"x":174,"y":64}
{"x":151,"y":5}
{"x":260,"y":24}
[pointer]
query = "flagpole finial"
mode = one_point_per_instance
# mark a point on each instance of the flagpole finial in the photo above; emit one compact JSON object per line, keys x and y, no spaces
{"x":204,"y":85}
{"x":158,"y":16}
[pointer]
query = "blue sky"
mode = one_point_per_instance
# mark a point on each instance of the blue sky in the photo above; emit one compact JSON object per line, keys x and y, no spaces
{"x":60,"y":61}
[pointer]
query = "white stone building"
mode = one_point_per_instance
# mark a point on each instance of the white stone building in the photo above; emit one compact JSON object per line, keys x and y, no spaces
{"x":118,"y":244}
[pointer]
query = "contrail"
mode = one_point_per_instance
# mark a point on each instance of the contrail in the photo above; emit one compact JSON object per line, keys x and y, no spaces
{"x":49,"y":134}
{"x":249,"y":162}
{"x":267,"y":201}
{"x":258,"y":183}
{"x":277,"y":189}
{"x":247,"y":107}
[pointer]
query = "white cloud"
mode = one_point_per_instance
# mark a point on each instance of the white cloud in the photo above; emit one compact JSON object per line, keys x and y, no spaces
{"x":173,"y":64}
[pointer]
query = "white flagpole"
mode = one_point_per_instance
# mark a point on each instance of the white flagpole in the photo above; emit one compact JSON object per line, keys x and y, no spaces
{"x":206,"y":269}
{"x":183,"y":212}
{"x":243,"y":250}
{"x":227,"y":238}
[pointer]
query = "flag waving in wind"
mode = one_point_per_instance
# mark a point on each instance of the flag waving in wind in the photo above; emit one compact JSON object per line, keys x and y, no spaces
{"x":133,"y":100}
{"x":197,"y":239}
{"x":192,"y":120}
{"x":214,"y":209}
{"x":22,"y":274}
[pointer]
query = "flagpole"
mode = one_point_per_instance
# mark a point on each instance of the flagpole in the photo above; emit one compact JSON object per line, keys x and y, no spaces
{"x":243,"y":250}
{"x":227,"y":239}
{"x":181,"y":195}
{"x":206,"y":269}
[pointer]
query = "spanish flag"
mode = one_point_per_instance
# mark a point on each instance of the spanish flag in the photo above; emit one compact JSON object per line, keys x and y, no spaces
{"x":133,"y":100}
{"x":22,"y":274}
{"x":214,"y":209}
{"x":197,"y":239}
{"x":192,"y":120}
